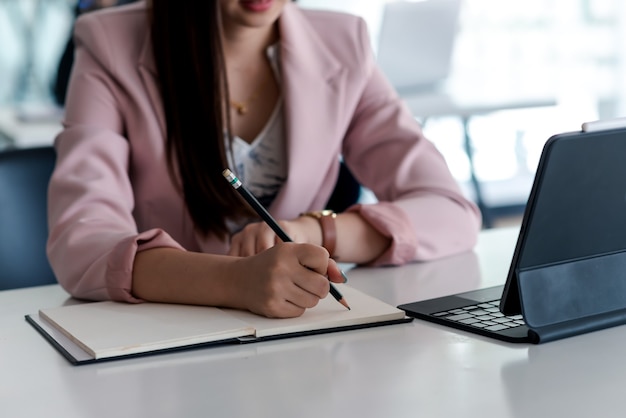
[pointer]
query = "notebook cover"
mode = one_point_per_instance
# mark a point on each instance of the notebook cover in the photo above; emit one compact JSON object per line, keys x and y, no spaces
{"x":77,"y":356}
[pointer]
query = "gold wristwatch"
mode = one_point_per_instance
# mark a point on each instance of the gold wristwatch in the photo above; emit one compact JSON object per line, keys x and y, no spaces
{"x":326,"y":219}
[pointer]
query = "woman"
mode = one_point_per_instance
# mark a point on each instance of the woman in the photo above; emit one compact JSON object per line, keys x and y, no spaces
{"x":164,"y":96}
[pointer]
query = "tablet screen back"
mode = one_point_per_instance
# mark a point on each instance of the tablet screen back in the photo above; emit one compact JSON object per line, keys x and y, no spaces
{"x":577,"y":207}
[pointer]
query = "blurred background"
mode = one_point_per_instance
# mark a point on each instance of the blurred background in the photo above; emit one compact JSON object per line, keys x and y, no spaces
{"x":490,"y":80}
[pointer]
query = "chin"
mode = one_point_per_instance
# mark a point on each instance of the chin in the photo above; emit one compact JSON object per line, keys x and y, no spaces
{"x":253,"y":13}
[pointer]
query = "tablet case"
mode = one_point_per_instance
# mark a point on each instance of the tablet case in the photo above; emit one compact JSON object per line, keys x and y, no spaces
{"x":571,"y":272}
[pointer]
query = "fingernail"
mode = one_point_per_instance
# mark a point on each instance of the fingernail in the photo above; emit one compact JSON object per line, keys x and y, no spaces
{"x":345,"y":278}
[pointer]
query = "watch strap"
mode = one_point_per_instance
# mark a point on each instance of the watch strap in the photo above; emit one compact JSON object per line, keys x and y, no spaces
{"x":326,"y":219}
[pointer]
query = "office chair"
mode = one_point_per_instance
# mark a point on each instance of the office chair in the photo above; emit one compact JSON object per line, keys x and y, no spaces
{"x":416,"y":44}
{"x":6,"y":141}
{"x":347,"y":190}
{"x":24,"y":176}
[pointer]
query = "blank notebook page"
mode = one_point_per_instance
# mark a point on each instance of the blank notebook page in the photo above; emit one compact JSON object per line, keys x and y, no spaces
{"x":327,"y":314}
{"x":106,"y":329}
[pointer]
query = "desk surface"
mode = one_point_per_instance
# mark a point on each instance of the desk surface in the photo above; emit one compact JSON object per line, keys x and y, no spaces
{"x":429,"y":105}
{"x":410,"y":370}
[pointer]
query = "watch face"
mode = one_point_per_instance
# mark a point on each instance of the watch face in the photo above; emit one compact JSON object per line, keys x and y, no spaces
{"x":320,"y":213}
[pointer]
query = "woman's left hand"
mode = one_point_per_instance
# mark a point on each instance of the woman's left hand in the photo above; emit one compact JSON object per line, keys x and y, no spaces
{"x":258,"y":236}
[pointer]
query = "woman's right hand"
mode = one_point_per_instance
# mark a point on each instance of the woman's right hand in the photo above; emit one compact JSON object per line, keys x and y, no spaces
{"x":285,"y":280}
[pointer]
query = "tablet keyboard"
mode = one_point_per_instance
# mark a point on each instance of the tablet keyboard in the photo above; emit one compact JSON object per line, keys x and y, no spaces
{"x":484,"y":315}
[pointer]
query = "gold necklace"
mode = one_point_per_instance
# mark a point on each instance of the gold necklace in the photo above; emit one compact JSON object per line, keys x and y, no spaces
{"x":242,"y":107}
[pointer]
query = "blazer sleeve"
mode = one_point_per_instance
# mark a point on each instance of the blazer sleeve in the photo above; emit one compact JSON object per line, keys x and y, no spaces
{"x":420,"y":205}
{"x":93,"y":236}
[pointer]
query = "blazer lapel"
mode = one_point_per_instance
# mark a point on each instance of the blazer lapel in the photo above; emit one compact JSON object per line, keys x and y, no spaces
{"x":313,"y":80}
{"x":148,"y":73}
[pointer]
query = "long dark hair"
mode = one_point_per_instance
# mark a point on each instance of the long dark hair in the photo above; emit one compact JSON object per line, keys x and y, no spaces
{"x":190,"y":62}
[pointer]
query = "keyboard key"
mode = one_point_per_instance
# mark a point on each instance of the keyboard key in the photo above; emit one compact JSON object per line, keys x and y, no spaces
{"x":483,"y":315}
{"x":497,"y":327}
{"x":468,"y":321}
{"x":459,"y":317}
{"x":479,"y":312}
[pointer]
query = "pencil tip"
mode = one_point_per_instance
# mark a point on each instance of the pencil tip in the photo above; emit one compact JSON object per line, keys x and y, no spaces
{"x":344,"y":303}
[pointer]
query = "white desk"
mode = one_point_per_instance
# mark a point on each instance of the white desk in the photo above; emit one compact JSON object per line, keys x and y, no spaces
{"x":409,"y":370}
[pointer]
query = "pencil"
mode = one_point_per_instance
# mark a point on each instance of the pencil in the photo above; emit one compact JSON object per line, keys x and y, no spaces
{"x":265,"y":215}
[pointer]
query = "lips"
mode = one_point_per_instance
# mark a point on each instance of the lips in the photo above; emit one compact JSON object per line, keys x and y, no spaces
{"x":256,"y":5}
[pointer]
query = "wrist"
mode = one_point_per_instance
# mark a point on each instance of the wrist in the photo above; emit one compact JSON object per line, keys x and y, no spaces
{"x":327,"y":222}
{"x":311,"y":229}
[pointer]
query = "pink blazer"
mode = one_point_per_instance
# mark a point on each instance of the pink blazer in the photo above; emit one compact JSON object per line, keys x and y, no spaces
{"x":111,"y":196}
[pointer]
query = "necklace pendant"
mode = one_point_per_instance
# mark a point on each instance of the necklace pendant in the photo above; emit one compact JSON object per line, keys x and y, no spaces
{"x":242,"y":109}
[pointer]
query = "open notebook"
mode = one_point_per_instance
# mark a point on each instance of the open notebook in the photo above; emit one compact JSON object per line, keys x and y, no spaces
{"x":98,"y":331}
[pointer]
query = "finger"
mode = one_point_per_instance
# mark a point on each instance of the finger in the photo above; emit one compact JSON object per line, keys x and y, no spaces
{"x":315,"y":284}
{"x":241,"y":244}
{"x":289,"y":301}
{"x":246,"y":239}
{"x":313,"y":257}
{"x":286,"y":310}
{"x":303,"y":299}
{"x":234,"y":246}
{"x":305,"y":287}
{"x":247,"y":246}
{"x":279,"y":309}
{"x":265,"y":238}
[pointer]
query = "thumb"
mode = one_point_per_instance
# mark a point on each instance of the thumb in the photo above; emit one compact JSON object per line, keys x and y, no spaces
{"x":334,"y":272}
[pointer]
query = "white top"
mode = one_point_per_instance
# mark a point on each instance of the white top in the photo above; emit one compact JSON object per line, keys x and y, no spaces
{"x":261,"y":165}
